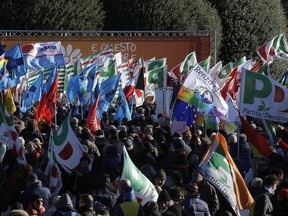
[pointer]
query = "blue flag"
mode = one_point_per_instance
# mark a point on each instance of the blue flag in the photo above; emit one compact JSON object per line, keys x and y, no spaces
{"x":33,"y":94}
{"x":43,"y":55}
{"x":185,"y":112}
{"x":87,"y":77}
{"x":123,"y":109}
{"x":74,"y":93}
{"x":11,"y":67}
{"x":51,"y":78}
{"x":108,"y":89}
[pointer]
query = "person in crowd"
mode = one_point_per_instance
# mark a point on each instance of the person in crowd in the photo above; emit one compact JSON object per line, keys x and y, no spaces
{"x":64,"y":207}
{"x":35,"y":187}
{"x":85,"y":205}
{"x":192,"y":203}
{"x":151,"y":209}
{"x":263,"y":204}
{"x":128,"y":205}
{"x":36,"y":207}
{"x":159,"y":180}
{"x":207,"y":192}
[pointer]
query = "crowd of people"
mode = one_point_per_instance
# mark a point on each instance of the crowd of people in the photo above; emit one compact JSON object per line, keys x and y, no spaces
{"x":170,"y":160}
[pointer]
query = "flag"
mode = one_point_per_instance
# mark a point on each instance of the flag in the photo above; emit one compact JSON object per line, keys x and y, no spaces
{"x":46,"y":108}
{"x":53,"y":172}
{"x":202,"y":91}
{"x":215,"y":69}
{"x":189,"y":62}
{"x":66,"y":147}
{"x":123,"y":110}
{"x":277,"y":47}
{"x":221,"y":76}
{"x":9,"y":136}
{"x":43,"y":55}
{"x":33,"y":94}
{"x":93,"y":122}
{"x":144,"y":190}
{"x":220,"y":170}
{"x":175,"y":73}
{"x":11,"y":67}
{"x":284,"y":79}
{"x":154,"y":79}
{"x":262,"y":97}
{"x":232,"y":115}
{"x":205,"y":64}
{"x":107,"y":70}
{"x":87,"y":78}
{"x":74,"y":92}
{"x":185,"y":112}
{"x":255,"y":139}
{"x":9,"y":102}
{"x":108,"y":89}
{"x":97,"y":58}
{"x":50,"y":80}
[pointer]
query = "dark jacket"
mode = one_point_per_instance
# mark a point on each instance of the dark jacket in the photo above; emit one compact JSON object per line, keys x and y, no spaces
{"x":209,"y":195}
{"x":35,"y":188}
{"x":263,"y":205}
{"x":64,"y":207}
{"x":194,"y":206}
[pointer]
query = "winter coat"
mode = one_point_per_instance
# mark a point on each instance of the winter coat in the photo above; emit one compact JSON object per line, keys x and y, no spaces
{"x":194,"y":206}
{"x":263,"y":205}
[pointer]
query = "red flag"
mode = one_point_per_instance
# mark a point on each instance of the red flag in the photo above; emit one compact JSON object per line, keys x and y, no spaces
{"x":46,"y":106}
{"x":255,"y":139}
{"x":93,"y":122}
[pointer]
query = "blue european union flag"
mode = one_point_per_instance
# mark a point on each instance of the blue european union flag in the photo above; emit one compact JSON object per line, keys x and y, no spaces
{"x":185,"y":112}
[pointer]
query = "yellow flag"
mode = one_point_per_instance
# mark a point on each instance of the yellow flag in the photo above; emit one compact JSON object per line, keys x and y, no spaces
{"x":9,"y":102}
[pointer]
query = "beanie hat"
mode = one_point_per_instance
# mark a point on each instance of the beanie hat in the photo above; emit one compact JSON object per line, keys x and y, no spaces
{"x":164,"y":196}
{"x":161,"y":174}
{"x":192,"y":188}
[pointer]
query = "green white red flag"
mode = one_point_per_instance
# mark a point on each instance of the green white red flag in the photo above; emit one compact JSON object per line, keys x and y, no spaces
{"x":144,"y":190}
{"x":66,"y":147}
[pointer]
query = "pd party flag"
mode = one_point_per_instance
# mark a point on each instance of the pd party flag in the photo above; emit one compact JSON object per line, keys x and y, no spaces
{"x":66,"y":147}
{"x":262,"y":97}
{"x":202,"y":91}
{"x":220,"y":170}
{"x":277,"y":47}
{"x":144,"y":190}
{"x":43,"y":55}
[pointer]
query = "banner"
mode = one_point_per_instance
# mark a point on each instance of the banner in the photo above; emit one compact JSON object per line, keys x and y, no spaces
{"x":262,"y":97}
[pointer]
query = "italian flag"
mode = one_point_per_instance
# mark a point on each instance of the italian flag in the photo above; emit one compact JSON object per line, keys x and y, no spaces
{"x":144,"y":189}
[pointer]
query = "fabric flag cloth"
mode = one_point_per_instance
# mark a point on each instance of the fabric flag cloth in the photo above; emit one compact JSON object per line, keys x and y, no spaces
{"x":221,"y":76}
{"x":205,"y":64}
{"x":185,"y":112}
{"x":93,"y":122}
{"x":284,"y":79}
{"x":9,"y":136}
{"x":43,"y":55}
{"x":74,"y":92}
{"x":108,"y":89}
{"x":87,"y":78}
{"x":50,"y":80}
{"x":66,"y":147}
{"x":189,"y":62}
{"x":144,"y":190}
{"x":9,"y":102}
{"x":154,"y":79}
{"x":220,"y":170}
{"x":262,"y":97}
{"x":255,"y":139}
{"x":11,"y":67}
{"x":277,"y":47}
{"x":202,"y":91}
{"x":33,"y":94}
{"x":53,"y":172}
{"x":47,"y":106}
{"x":123,"y":110}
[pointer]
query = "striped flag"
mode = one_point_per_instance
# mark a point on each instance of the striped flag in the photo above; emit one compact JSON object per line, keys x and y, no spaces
{"x":220,"y":170}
